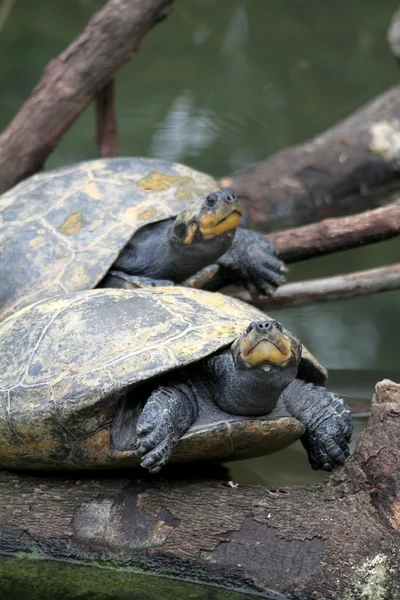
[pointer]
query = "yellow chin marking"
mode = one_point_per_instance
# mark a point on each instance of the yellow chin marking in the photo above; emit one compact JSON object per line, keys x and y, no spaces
{"x":266,"y":352}
{"x":192,"y":229}
{"x":209,"y":230}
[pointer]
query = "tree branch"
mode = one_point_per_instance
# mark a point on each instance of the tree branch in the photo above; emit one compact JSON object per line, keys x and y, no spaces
{"x":338,"y":171}
{"x":340,"y":539}
{"x":332,"y":235}
{"x":106,"y":122}
{"x":340,"y":287}
{"x":70,"y":82}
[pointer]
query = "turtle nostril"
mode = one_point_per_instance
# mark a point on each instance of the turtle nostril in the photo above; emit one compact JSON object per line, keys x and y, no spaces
{"x":230,"y":198}
{"x":264,"y":326}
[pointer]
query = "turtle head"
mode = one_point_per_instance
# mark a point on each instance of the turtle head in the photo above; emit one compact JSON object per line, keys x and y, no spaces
{"x":218,"y":214}
{"x":263,"y":363}
{"x":268,"y":345}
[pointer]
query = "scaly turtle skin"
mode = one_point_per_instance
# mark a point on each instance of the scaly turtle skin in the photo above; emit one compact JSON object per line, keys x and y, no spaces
{"x":125,"y":222}
{"x":103,"y":378}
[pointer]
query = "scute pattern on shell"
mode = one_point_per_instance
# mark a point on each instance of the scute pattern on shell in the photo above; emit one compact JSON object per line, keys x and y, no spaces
{"x":60,"y":231}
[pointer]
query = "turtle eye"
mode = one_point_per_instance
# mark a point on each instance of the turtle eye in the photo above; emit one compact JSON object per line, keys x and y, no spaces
{"x":278,"y":326}
{"x":211,"y":200}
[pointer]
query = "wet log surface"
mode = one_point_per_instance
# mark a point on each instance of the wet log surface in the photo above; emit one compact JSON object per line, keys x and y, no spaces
{"x":333,"y":540}
{"x":341,"y":170}
{"x":71,"y":81}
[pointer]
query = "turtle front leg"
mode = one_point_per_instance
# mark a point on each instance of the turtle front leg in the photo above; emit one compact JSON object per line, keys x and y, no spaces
{"x":119,"y":279}
{"x":251,"y":261}
{"x":327,"y":422}
{"x":166,"y":416}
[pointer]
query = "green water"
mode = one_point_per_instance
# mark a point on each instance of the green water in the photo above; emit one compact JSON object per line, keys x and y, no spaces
{"x":220,"y":85}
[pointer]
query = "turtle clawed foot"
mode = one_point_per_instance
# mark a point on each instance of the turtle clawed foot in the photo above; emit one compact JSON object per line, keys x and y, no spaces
{"x":327,"y":445}
{"x":155,"y":437}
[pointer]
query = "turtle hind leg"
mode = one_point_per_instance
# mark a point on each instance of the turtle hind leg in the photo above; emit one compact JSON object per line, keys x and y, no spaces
{"x":167,"y":415}
{"x":327,"y":423}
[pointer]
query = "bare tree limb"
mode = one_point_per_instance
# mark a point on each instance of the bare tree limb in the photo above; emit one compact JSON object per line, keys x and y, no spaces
{"x":71,"y":81}
{"x":340,"y":287}
{"x":340,"y":539}
{"x":332,"y":235}
{"x":106,"y":122}
{"x":338,"y":171}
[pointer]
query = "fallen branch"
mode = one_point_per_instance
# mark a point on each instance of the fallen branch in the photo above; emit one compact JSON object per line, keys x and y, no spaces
{"x":340,"y":287}
{"x":338,"y":171}
{"x":332,"y":235}
{"x":106,"y":122}
{"x":339,"y":539}
{"x":71,"y":81}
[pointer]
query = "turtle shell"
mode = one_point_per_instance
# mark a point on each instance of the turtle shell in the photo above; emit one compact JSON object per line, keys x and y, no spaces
{"x":67,"y":363}
{"x":62,"y":230}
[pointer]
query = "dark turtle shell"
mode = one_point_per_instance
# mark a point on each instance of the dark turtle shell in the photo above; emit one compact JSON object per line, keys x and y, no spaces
{"x":67,"y":363}
{"x":61,"y":231}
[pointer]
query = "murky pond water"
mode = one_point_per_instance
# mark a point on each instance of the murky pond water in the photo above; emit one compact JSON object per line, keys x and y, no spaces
{"x":222,"y":84}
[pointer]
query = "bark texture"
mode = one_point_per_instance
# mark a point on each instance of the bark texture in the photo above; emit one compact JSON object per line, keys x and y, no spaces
{"x":71,"y":81}
{"x":339,"y":170}
{"x":340,"y":287}
{"x":333,"y":235}
{"x":338,"y":540}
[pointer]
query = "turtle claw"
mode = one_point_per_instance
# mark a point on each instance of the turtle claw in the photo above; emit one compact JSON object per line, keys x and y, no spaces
{"x":167,"y":414}
{"x":157,"y":458}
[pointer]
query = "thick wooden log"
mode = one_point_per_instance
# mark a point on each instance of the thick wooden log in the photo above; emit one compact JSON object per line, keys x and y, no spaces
{"x":333,"y":235}
{"x":71,"y":81}
{"x":339,"y":287}
{"x":338,"y":171}
{"x":337,"y":540}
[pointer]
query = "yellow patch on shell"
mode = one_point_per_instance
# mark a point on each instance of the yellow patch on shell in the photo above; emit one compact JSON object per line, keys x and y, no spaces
{"x":92,"y":190}
{"x":145,"y":215}
{"x":157,"y":182}
{"x":185,"y":188}
{"x":37,"y":241}
{"x":72,"y":224}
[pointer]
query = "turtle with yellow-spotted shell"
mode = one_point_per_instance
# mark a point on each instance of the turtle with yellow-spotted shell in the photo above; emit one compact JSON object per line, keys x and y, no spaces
{"x":125,"y":222}
{"x":112,"y":378}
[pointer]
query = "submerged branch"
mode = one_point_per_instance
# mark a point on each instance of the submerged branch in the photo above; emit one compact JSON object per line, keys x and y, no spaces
{"x":340,"y":287}
{"x":71,"y":81}
{"x":333,"y":235}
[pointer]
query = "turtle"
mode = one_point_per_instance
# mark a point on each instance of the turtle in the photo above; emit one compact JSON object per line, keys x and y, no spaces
{"x":126,"y":222}
{"x":111,"y":378}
